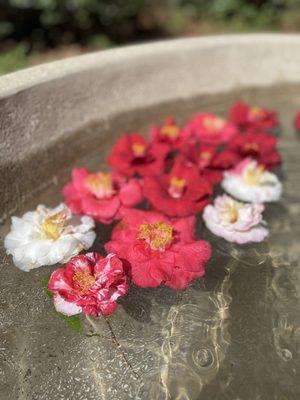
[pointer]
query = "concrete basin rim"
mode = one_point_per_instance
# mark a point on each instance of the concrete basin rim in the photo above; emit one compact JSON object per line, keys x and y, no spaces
{"x":15,"y":82}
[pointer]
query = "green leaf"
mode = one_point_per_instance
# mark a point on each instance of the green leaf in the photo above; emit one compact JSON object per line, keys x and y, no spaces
{"x":45,"y":281}
{"x":74,"y":321}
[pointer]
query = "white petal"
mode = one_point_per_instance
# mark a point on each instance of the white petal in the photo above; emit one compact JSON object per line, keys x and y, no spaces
{"x":65,"y":307}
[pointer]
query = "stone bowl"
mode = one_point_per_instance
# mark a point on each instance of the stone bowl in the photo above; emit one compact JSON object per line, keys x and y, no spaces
{"x":234,"y":334}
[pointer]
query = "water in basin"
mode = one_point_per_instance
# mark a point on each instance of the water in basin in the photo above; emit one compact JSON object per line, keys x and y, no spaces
{"x":233,"y":335}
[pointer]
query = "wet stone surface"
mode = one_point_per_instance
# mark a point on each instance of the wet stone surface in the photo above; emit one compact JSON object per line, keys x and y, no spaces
{"x":233,"y":335}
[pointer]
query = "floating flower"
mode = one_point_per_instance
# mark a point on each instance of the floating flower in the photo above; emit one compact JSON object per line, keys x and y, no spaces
{"x":180,"y":193}
{"x":102,"y":195}
{"x":209,"y":128}
{"x":245,"y":116}
{"x":159,"y":251}
{"x":88,"y":284}
{"x":169,"y":133}
{"x":249,"y":181}
{"x":235,"y":221}
{"x":132,"y":154}
{"x":259,"y":146}
{"x":48,"y":236}
{"x":297,"y":122}
{"x":210,"y":162}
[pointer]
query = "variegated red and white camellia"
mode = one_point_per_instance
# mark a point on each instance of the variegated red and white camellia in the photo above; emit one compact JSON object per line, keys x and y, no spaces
{"x":89,"y":284}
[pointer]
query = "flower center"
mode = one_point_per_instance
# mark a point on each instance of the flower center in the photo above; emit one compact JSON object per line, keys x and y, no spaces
{"x":231,"y":212}
{"x":213,"y":124}
{"x":171,"y":131}
{"x":53,"y":225}
{"x":138,"y":149}
{"x":100,"y":185}
{"x":251,"y":147}
{"x":158,"y":235}
{"x":177,"y":187}
{"x":83,"y":281}
{"x":205,"y":155}
{"x":254,"y":175}
{"x":256,"y":112}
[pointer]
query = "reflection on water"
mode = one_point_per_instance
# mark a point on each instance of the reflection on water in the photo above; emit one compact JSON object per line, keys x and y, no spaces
{"x":233,"y":335}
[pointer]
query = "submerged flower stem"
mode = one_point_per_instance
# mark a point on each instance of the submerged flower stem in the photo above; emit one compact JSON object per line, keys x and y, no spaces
{"x":117,"y":344}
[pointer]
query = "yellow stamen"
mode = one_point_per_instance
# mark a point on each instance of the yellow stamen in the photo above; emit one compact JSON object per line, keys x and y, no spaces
{"x":138,"y":149}
{"x":171,"y":131}
{"x":251,"y":147}
{"x":158,"y":235}
{"x":177,"y":182}
{"x":214,"y":123}
{"x":253,"y":175}
{"x":53,"y":225}
{"x":233,"y":212}
{"x":256,"y":111}
{"x":205,"y":155}
{"x":100,"y":184}
{"x":84,"y":281}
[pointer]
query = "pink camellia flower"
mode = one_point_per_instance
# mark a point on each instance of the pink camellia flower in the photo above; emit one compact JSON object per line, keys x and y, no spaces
{"x":245,"y":116}
{"x":235,"y":221}
{"x":210,"y":162}
{"x":159,"y":251}
{"x":297,"y":122}
{"x":101,"y":195}
{"x":209,"y":128}
{"x":169,"y":133}
{"x":88,"y":284}
{"x":257,"y":145}
{"x":132,"y":154}
{"x":180,"y":193}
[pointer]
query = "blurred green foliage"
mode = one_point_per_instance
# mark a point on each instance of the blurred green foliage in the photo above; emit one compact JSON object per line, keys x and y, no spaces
{"x":34,"y":26}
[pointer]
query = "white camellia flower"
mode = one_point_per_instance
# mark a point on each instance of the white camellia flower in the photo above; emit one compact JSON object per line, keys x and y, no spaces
{"x":235,"y":221}
{"x":48,"y":236}
{"x":250,"y":182}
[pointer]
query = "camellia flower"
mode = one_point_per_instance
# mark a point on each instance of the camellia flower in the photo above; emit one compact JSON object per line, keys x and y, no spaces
{"x":180,"y":193}
{"x":255,"y":117}
{"x":159,"y":251}
{"x":169,"y":133}
{"x":101,"y":195}
{"x":210,"y":162}
{"x":249,"y":181}
{"x":297,"y":122}
{"x":259,"y":146}
{"x":48,"y":236}
{"x":88,"y":284}
{"x":209,"y":128}
{"x":132,"y":154}
{"x":235,"y":221}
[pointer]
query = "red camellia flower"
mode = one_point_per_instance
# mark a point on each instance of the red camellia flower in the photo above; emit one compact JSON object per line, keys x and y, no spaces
{"x":101,"y":195}
{"x":88,"y":284}
{"x":159,"y":251}
{"x":169,"y":133}
{"x":297,"y":122}
{"x":208,"y":128}
{"x":180,"y":193}
{"x":246,"y":117}
{"x":132,"y":154}
{"x":259,"y":146}
{"x":210,"y":162}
